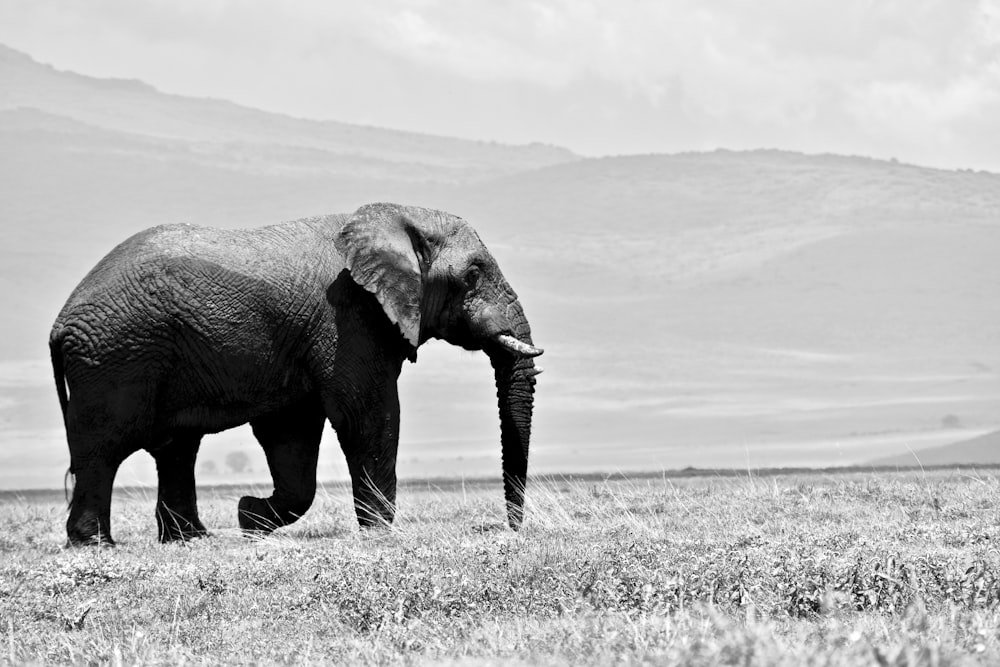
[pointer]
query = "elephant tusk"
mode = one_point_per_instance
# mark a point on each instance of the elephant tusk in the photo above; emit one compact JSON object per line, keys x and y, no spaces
{"x":517,"y":347}
{"x":532,"y":372}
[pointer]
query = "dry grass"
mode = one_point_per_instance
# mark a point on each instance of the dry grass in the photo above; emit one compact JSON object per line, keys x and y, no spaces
{"x":830,"y":570}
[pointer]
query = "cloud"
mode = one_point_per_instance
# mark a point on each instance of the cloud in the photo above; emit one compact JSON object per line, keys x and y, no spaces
{"x":891,"y":75}
{"x":728,"y":54}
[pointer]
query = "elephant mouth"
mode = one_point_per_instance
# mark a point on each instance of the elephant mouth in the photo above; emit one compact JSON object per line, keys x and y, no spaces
{"x":517,"y":347}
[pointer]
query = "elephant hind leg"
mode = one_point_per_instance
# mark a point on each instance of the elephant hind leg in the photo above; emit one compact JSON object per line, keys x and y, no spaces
{"x":94,"y":463}
{"x":290,"y":438}
{"x":108,"y":418}
{"x":176,"y":503}
{"x":89,"y":521}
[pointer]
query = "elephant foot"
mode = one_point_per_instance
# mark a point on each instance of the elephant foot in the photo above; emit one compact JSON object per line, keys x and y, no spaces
{"x":175,"y":531}
{"x":374,"y":513}
{"x":85,"y":530}
{"x":375,"y":523}
{"x":75,"y":541}
{"x":257,"y":516}
{"x":174,"y":535}
{"x":261,"y":516}
{"x":172,"y":525}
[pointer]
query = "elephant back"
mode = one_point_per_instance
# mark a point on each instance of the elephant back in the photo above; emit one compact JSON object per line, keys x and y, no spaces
{"x":288,"y":251}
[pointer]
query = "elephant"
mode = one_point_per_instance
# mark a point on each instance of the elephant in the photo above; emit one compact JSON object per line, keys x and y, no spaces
{"x":182,"y":330}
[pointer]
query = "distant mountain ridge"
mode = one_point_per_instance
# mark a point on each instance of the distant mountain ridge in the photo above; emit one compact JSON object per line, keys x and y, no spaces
{"x":983,"y":449}
{"x":134,"y":107}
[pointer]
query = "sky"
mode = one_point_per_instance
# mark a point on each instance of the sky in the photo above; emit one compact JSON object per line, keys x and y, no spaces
{"x":916,"y":80}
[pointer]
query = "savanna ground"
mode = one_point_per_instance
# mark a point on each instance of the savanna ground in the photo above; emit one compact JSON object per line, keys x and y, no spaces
{"x":823,"y":569}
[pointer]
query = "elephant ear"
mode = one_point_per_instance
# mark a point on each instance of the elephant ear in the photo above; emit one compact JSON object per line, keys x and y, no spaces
{"x":385,"y":250}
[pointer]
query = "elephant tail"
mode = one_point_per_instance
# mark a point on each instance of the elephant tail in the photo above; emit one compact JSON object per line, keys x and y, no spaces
{"x":59,"y":371}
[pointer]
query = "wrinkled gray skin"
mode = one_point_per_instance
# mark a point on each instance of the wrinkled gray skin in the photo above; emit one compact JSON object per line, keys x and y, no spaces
{"x":182,"y":331}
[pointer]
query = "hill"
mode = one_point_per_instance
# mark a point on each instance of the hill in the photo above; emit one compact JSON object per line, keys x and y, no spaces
{"x":984,"y":449}
{"x":707,"y":309}
{"x":229,"y":132}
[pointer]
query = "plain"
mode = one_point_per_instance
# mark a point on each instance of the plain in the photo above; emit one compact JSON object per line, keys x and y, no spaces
{"x":808,"y":568}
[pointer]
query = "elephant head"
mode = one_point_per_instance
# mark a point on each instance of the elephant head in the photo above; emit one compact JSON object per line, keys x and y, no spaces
{"x":435,"y":279}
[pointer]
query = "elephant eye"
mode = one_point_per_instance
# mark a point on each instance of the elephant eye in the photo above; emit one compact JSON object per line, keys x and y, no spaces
{"x":472,"y":277}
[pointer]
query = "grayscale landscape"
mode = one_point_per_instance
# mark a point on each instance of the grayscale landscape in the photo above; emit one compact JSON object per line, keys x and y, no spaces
{"x":758,"y":242}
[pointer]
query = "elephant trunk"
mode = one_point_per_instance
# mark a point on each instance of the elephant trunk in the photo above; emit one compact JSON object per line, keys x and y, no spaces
{"x":514,"y":370}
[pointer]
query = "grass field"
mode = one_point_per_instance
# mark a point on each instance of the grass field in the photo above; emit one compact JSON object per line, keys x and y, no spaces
{"x":824,"y":569}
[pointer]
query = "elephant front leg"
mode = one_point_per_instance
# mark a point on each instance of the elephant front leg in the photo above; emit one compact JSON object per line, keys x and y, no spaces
{"x":370,"y":446}
{"x":290,"y":439}
{"x":176,"y":503}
